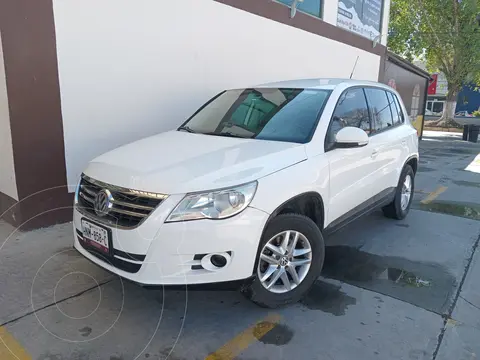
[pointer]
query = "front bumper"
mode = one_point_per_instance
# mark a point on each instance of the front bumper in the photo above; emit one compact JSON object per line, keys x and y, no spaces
{"x":158,"y":253}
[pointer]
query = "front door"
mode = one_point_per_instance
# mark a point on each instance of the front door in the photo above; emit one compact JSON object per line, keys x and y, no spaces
{"x":351,"y":181}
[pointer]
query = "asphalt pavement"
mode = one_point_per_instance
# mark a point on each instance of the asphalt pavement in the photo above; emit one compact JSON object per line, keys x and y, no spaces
{"x":389,"y":290}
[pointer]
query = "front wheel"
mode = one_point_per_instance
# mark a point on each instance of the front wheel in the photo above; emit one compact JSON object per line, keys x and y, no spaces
{"x":399,"y":207}
{"x":289,"y":260}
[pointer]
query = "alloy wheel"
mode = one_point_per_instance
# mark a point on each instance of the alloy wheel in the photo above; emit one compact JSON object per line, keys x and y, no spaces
{"x":406,"y":192}
{"x":284,"y":261}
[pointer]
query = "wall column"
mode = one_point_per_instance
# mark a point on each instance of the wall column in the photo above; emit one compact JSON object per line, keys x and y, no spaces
{"x":30,"y":58}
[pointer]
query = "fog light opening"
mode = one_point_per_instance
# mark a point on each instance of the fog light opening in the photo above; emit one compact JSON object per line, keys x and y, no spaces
{"x":218,"y":261}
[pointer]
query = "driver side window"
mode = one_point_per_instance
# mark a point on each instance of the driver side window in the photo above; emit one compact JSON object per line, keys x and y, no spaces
{"x":351,"y":110}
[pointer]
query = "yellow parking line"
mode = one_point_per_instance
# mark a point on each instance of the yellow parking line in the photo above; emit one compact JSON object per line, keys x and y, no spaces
{"x":243,"y":340}
{"x":10,"y":349}
{"x":433,"y":195}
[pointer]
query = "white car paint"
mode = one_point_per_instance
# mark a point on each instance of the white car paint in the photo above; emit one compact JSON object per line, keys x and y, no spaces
{"x":206,"y":162}
{"x":176,"y":163}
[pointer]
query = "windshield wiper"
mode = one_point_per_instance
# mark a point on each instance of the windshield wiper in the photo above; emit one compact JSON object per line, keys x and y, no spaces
{"x":228,"y":134}
{"x":186,"y":128}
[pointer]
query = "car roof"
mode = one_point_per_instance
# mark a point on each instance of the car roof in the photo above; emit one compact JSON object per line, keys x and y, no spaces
{"x":320,"y":83}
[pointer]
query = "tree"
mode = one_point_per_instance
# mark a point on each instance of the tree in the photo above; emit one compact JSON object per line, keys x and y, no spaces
{"x":445,"y":33}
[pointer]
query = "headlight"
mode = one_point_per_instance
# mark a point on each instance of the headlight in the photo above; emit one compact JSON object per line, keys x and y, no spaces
{"x":216,"y":204}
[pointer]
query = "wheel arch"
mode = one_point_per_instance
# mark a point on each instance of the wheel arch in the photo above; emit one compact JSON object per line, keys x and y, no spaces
{"x":413,"y":162}
{"x":309,"y":204}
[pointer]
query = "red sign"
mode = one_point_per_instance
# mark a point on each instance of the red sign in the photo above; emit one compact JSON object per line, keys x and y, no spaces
{"x":432,"y":86}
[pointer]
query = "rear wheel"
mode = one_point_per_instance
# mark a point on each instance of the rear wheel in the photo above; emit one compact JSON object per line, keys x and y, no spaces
{"x":289,"y":260}
{"x":400,"y":206}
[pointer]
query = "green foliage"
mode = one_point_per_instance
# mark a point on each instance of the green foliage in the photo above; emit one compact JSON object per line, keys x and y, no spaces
{"x":476,"y":113}
{"x":445,"y":33}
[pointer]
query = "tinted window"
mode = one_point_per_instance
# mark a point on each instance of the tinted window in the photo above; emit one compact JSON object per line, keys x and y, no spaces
{"x":393,"y":108}
{"x":380,"y":109}
{"x":312,"y":7}
{"x":351,"y":110}
{"x":400,"y":110}
{"x":263,"y":113}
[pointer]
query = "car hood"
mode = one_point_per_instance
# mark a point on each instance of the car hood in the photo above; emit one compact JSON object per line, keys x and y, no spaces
{"x":177,"y":162}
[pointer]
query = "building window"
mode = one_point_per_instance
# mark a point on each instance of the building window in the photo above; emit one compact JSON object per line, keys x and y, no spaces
{"x":312,"y":7}
{"x":415,"y":102}
{"x":363,"y":17}
{"x":437,"y":107}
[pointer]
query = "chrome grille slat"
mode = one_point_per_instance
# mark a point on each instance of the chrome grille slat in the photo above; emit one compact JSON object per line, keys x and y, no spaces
{"x":129,"y":207}
{"x":127,"y":192}
{"x":126,"y":212}
{"x":88,"y":191}
{"x":86,"y":197}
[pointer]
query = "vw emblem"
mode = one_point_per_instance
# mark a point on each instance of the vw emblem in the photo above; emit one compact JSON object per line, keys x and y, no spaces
{"x":103,"y":202}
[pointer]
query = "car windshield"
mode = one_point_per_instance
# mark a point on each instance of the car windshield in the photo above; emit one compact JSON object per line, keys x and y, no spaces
{"x":278,"y":114}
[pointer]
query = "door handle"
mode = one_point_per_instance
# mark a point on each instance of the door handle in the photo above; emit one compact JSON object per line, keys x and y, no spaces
{"x":374,"y":153}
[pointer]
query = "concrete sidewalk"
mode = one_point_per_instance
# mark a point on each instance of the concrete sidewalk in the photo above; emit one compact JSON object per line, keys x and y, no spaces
{"x":460,"y":338}
{"x":33,"y":263}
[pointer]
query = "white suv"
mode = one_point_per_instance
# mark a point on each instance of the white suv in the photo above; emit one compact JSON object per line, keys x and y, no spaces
{"x":248,"y":187}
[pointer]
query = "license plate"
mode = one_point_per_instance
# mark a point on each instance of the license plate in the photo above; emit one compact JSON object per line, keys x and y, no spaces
{"x":95,"y":236}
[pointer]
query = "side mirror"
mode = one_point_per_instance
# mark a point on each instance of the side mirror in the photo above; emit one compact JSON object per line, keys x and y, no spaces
{"x":351,"y":137}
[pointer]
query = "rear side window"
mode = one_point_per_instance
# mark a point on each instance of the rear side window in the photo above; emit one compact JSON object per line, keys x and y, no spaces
{"x":399,"y":107}
{"x":394,"y":108}
{"x":351,"y":110}
{"x":380,"y":109}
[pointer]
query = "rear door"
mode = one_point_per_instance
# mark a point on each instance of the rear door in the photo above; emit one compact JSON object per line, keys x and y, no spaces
{"x":406,"y":132}
{"x":387,"y":140}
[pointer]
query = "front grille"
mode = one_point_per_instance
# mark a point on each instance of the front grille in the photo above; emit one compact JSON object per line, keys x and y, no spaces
{"x":128,"y":207}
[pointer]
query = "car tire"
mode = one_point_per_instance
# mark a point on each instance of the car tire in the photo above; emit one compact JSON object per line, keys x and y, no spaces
{"x":309,"y":243}
{"x":400,"y":206}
